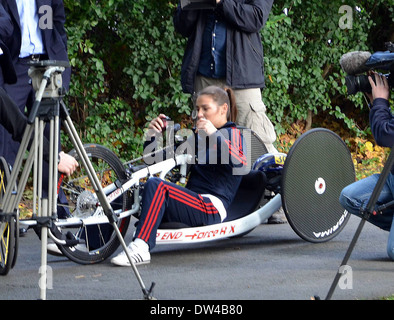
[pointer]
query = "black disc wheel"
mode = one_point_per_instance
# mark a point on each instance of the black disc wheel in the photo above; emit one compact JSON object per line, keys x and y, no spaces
{"x":97,"y":241}
{"x":318,"y":166}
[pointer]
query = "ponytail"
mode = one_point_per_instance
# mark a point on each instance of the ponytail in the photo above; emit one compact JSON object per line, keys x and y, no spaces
{"x":232,"y":106}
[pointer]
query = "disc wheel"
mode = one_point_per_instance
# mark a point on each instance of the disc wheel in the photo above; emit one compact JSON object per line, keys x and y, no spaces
{"x":8,"y":225}
{"x":98,"y":241}
{"x":317,"y":168}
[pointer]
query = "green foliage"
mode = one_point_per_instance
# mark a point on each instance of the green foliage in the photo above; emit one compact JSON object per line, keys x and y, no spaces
{"x":302,"y":50}
{"x":126,"y":61}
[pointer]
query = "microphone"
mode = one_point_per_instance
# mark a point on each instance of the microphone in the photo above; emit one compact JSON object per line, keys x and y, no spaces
{"x":354,"y":62}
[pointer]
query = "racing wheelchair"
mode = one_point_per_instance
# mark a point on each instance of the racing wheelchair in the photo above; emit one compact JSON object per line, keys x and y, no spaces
{"x":306,"y":183}
{"x":104,"y":194}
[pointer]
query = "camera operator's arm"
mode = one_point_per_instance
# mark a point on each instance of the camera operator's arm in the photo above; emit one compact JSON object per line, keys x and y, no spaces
{"x":185,"y":21}
{"x":381,"y":117}
{"x":247,"y":17}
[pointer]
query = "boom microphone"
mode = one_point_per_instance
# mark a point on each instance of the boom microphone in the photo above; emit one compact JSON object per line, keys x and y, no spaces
{"x":354,"y":62}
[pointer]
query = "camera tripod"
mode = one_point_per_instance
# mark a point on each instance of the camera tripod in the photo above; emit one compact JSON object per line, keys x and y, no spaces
{"x":366,"y":214}
{"x":50,"y":108}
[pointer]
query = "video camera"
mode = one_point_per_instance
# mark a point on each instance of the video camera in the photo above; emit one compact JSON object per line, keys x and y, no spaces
{"x":198,"y":4}
{"x":358,"y":62}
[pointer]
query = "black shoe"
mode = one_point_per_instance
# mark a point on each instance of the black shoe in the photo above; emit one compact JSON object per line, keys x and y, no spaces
{"x":278,"y":217}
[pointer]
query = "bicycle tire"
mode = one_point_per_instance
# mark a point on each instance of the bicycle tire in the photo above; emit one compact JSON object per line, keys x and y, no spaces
{"x":318,"y":166}
{"x":100,"y":240}
{"x":8,"y":235}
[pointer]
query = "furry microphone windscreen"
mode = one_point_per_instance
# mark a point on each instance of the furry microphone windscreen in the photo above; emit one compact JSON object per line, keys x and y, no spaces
{"x":354,"y":62}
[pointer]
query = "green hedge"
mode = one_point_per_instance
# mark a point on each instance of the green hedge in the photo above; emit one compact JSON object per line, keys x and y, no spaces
{"x":126,"y":60}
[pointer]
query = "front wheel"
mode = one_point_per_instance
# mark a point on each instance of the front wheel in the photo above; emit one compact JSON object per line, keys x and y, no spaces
{"x":8,"y":227}
{"x":97,"y":241}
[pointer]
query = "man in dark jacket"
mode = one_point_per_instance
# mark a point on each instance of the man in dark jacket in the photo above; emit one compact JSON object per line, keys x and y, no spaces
{"x":224,"y":48}
{"x":356,"y":196}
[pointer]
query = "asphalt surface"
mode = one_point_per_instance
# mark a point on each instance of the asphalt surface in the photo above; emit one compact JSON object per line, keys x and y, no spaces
{"x":270,"y":263}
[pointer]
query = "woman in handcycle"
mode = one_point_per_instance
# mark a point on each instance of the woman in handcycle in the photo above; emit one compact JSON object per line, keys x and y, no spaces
{"x":212,"y":184}
{"x":356,"y":196}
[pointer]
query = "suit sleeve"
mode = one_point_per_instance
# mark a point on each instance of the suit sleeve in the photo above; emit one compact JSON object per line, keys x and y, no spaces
{"x":59,"y":19}
{"x":15,"y":122}
{"x":6,"y":26}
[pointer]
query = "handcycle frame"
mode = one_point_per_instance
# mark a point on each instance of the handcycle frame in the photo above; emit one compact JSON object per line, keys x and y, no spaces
{"x":48,"y":108}
{"x":186,"y":234}
{"x":183,"y":235}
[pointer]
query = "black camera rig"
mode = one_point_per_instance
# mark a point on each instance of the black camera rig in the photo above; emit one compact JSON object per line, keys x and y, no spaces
{"x":381,"y":60}
{"x":198,"y":4}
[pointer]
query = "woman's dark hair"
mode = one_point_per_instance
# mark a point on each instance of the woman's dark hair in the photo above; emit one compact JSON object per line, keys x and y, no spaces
{"x":222,"y":96}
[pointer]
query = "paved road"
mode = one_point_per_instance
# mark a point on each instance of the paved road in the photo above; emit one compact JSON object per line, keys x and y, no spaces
{"x":271,"y":262}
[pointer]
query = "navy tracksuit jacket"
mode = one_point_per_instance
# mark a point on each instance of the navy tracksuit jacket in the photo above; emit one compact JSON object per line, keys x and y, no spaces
{"x":168,"y":202}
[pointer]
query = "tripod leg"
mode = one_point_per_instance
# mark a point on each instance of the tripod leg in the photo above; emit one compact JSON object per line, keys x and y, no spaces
{"x":346,"y":257}
{"x":44,"y":258}
{"x":102,"y":198}
{"x":368,"y":211}
{"x":8,"y":204}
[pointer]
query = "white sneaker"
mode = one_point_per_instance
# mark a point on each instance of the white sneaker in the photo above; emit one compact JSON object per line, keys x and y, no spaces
{"x":54,"y":250}
{"x":136,"y":254}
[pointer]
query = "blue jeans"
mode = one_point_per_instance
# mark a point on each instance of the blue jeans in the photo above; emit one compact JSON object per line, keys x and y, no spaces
{"x":356,"y":196}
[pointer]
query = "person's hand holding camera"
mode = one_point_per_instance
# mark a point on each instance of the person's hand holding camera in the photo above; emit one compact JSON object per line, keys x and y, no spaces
{"x":380,"y":87}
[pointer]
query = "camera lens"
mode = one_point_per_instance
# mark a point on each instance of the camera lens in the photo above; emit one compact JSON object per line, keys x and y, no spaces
{"x":356,"y":84}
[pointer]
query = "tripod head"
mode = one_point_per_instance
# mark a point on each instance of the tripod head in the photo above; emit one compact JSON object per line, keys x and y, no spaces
{"x":47,"y":82}
{"x":51,"y":70}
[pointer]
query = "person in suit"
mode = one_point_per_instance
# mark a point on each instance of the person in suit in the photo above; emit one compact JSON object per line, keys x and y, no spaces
{"x":36,"y":32}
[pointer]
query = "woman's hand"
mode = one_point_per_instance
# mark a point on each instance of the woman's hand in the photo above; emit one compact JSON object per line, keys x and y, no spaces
{"x":157,"y":125}
{"x":205,"y":125}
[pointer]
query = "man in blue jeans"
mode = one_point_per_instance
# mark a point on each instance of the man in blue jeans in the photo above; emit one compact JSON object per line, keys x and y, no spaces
{"x":356,"y":196}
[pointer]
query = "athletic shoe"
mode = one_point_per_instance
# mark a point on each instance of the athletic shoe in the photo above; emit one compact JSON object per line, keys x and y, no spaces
{"x":54,"y":250}
{"x":137,"y":255}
